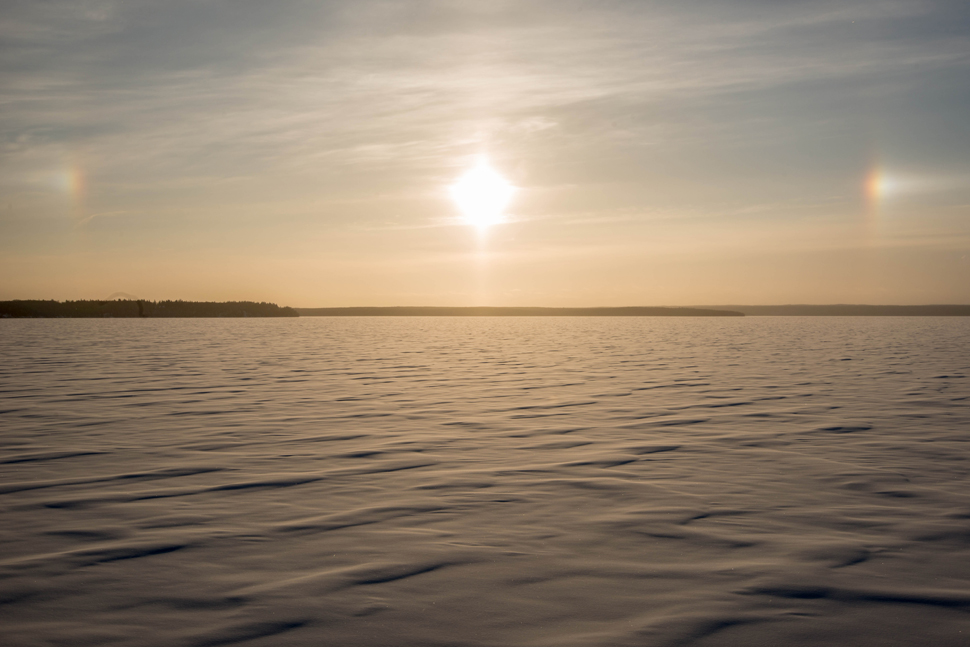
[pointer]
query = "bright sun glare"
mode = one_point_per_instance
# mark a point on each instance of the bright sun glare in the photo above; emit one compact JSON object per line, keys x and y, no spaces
{"x":482,"y":195}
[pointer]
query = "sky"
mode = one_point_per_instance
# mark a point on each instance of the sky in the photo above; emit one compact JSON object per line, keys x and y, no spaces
{"x":661,"y":153}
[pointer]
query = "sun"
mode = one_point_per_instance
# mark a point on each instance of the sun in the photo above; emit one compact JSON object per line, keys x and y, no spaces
{"x":482,"y":195}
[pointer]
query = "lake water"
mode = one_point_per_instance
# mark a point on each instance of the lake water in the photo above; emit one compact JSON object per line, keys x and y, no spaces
{"x":432,"y":482}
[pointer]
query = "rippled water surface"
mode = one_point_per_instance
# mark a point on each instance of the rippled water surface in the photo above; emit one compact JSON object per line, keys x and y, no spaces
{"x":485,"y":481}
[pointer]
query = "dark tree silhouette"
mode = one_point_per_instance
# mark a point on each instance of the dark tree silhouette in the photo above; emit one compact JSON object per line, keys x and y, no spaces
{"x":141,"y":308}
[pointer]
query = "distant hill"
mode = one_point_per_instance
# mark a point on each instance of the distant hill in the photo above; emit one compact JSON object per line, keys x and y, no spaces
{"x":428,"y":311}
{"x":844,"y":310}
{"x":140,"y":308}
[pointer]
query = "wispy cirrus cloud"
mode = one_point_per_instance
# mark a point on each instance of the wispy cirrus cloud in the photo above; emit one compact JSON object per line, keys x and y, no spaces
{"x":333,"y":113}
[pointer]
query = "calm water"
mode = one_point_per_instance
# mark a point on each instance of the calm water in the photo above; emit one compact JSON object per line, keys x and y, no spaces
{"x":496,"y":482}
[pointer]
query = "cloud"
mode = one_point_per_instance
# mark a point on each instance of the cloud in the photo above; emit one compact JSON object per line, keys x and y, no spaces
{"x":238,"y":88}
{"x":104,"y":214}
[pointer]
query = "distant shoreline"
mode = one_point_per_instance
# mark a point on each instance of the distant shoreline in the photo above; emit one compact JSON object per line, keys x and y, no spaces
{"x":637,"y":311}
{"x":837,"y":310}
{"x":847,"y":310}
{"x":488,"y":311}
{"x":139,"y":308}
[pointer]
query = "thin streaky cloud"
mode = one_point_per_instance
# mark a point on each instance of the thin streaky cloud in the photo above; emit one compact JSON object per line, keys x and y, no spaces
{"x":273,"y":122}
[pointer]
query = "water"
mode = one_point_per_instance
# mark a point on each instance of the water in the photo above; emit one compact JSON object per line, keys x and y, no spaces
{"x":492,"y":481}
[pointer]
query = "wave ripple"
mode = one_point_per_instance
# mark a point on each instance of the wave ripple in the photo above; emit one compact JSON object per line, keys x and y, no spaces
{"x":485,"y":482}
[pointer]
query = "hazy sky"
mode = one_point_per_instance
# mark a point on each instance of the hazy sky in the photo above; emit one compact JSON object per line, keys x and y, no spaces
{"x":665,"y":153}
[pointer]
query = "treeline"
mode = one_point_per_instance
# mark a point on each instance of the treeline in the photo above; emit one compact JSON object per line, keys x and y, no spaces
{"x":142,"y":308}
